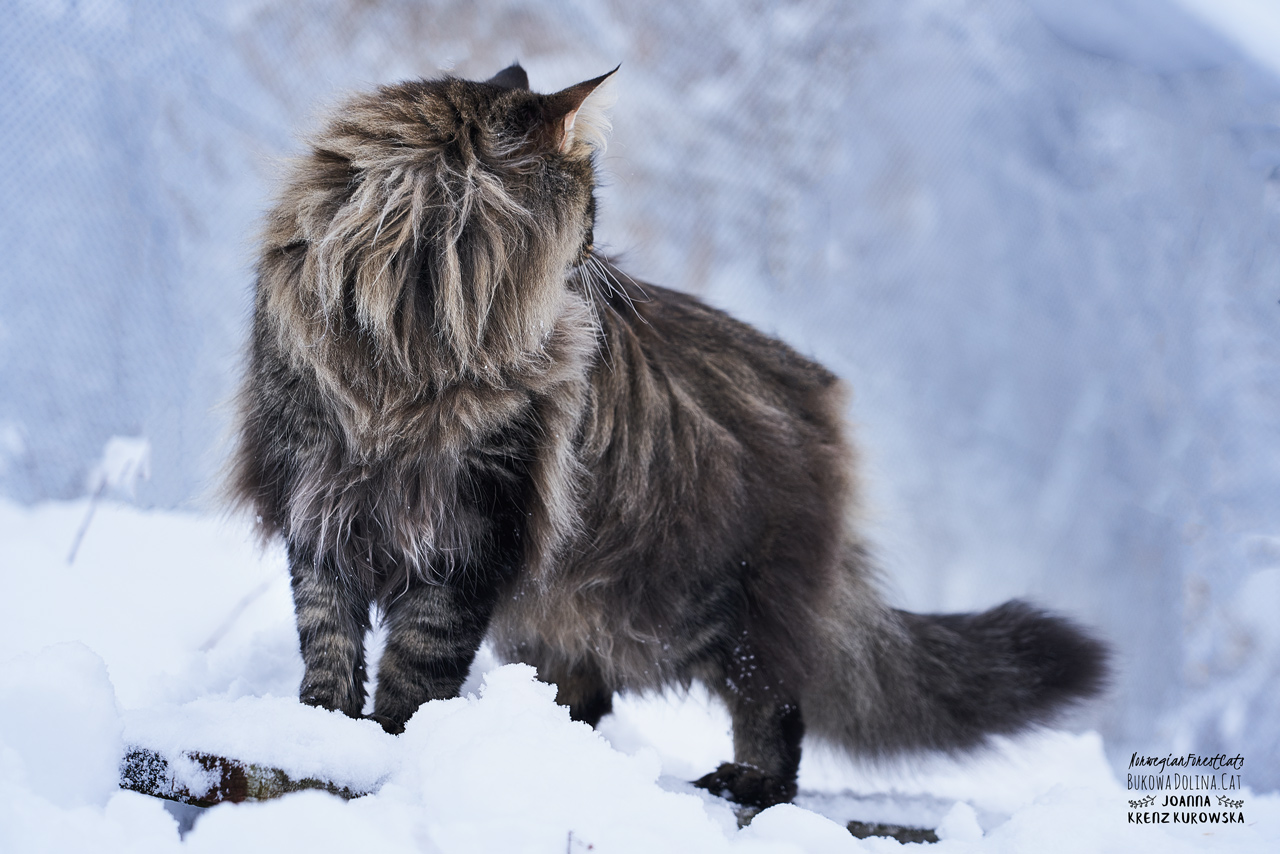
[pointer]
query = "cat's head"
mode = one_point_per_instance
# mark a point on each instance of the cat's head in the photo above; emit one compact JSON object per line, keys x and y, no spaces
{"x":431,"y":226}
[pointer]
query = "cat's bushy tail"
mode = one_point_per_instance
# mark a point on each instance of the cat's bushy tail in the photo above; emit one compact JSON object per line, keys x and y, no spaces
{"x":888,"y":681}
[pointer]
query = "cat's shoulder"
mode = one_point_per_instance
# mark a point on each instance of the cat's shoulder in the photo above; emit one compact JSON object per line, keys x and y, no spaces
{"x":672,"y":325}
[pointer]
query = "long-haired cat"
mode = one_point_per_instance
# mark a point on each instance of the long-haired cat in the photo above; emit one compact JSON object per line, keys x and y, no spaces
{"x":456,"y":410}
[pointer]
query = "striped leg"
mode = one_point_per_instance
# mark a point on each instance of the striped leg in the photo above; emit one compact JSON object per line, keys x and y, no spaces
{"x":332,"y":620}
{"x":433,"y":632}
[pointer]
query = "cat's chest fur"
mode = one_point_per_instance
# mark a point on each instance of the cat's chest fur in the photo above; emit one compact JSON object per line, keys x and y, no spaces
{"x":407,"y":484}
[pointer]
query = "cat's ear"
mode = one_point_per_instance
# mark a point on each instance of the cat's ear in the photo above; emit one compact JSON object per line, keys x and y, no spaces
{"x":580,"y":113}
{"x":512,"y":77}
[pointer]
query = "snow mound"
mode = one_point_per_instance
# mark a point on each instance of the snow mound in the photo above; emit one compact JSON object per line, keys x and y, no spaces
{"x":59,"y":726}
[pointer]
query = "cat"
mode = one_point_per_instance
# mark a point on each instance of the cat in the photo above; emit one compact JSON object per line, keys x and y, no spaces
{"x":456,"y":409}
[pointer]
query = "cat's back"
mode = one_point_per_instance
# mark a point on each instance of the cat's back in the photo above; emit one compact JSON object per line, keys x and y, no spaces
{"x":667,"y":350}
{"x":716,"y":468}
{"x":709,"y":429}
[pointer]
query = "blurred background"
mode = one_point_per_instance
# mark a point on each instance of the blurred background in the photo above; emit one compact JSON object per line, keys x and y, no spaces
{"x":1038,"y":238}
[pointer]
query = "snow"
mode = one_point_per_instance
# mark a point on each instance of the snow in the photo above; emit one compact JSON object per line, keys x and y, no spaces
{"x":125,"y":461}
{"x":147,"y":640}
{"x":1253,"y":24}
{"x":59,"y":710}
{"x":277,"y":732}
{"x":1159,"y":35}
{"x":1037,"y":237}
{"x":960,"y":823}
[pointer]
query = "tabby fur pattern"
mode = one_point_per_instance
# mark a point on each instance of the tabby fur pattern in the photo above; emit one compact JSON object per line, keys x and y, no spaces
{"x":457,"y":411}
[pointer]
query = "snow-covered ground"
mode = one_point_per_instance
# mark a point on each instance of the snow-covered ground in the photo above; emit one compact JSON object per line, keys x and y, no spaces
{"x":173,"y":631}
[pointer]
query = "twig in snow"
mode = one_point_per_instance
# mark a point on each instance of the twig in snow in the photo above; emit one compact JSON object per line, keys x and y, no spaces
{"x":84,"y":525}
{"x":239,"y":609}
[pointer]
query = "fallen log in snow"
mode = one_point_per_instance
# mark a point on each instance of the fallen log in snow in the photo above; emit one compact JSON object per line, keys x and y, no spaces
{"x":202,"y":780}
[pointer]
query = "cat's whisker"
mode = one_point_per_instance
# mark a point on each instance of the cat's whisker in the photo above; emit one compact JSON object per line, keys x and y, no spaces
{"x":616,"y":287}
{"x":634,"y":283}
{"x":591,"y":284}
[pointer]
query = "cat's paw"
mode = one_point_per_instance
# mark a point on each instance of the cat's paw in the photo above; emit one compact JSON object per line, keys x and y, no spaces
{"x":392,"y":726}
{"x":334,"y":701}
{"x":747,"y":785}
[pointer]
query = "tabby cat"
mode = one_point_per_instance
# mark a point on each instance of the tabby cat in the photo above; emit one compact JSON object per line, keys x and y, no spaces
{"x":457,"y":410}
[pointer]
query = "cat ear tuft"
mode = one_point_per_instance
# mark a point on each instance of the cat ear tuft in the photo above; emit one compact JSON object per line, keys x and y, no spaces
{"x":512,"y":77}
{"x":581,"y":113}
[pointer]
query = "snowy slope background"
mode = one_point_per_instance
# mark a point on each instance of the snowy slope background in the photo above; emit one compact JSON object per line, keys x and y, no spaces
{"x":1038,"y":238}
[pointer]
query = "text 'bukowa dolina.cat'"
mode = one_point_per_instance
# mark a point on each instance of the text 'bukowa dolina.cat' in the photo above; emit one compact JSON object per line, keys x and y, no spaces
{"x":455,"y":409}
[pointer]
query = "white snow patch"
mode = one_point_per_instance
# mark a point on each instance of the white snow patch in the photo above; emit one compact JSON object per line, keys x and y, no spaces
{"x":279,"y":732}
{"x":60,"y":726}
{"x":12,"y":445}
{"x":960,"y":823}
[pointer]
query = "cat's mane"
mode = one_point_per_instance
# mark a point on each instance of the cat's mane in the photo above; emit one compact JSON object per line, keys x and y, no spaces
{"x":414,"y":269}
{"x":433,"y":247}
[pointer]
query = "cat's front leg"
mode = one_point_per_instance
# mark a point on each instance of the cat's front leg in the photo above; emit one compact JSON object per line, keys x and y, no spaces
{"x":433,"y":633}
{"x":332,"y":620}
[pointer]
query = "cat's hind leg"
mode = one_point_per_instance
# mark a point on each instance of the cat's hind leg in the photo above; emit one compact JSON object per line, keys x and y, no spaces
{"x":585,"y":692}
{"x":767,"y":731}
